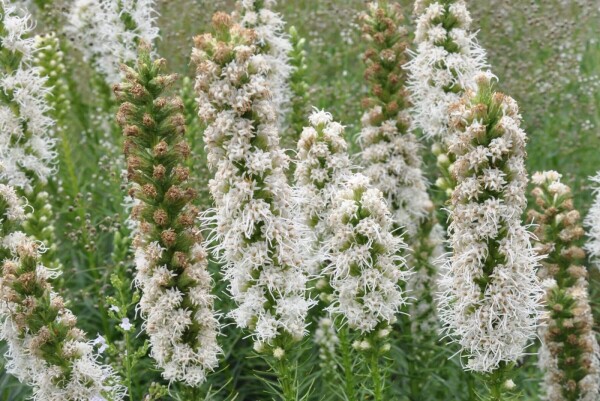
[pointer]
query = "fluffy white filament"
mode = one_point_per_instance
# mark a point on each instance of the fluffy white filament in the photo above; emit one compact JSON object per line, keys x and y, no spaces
{"x":98,"y":31}
{"x":26,"y":147}
{"x":443,"y":65}
{"x":592,"y":222}
{"x":491,"y":299}
{"x":366,"y":268}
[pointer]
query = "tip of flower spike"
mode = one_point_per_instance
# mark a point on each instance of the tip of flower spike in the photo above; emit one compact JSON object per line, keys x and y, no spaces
{"x":320,"y":117}
{"x":221,"y":21}
{"x":485,"y":78}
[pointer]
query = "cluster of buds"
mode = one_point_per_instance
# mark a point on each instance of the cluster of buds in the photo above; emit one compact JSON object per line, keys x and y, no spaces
{"x":569,"y":355}
{"x":50,"y":60}
{"x":390,"y":154}
{"x":258,"y":237}
{"x":171,"y":261}
{"x":45,"y":348}
{"x":491,"y":299}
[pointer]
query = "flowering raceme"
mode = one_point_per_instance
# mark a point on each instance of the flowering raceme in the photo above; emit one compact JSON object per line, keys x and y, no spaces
{"x":259,"y":239}
{"x":170,"y":260}
{"x":272,"y":42}
{"x":390,"y":154}
{"x":26,"y":147}
{"x":569,"y":355}
{"x":592,"y":222}
{"x":45,"y":349}
{"x":491,"y":299}
{"x":445,"y":62}
{"x":107,"y":32}
{"x":322,"y":163}
{"x":366,"y":268}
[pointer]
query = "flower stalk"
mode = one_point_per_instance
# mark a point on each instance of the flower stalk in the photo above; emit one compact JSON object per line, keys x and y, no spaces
{"x":569,"y":355}
{"x":390,"y":155}
{"x":491,"y":300}
{"x":45,"y":348}
{"x":171,"y":261}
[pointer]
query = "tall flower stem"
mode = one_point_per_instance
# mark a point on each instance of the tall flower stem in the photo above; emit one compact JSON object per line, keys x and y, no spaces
{"x":171,"y":261}
{"x":376,"y":377}
{"x":347,"y":363}
{"x":258,"y":237}
{"x":492,"y":297}
{"x":287,"y":379}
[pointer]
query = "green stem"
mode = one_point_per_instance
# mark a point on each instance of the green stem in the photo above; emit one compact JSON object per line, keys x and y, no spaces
{"x":376,"y":377}
{"x":347,"y":364}
{"x":128,"y":366}
{"x":286,"y":379}
{"x":471,"y":387}
{"x":496,"y":384}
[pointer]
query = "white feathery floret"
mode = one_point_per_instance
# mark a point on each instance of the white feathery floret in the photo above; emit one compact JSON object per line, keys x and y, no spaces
{"x":391,"y":157}
{"x":78,"y":376}
{"x":366,"y":268}
{"x":491,"y":296}
{"x":393,"y":164}
{"x":26,"y":147}
{"x":258,"y":234}
{"x":167,"y":320}
{"x":274,"y":43}
{"x":97,"y":30}
{"x":592,"y":222}
{"x":443,"y":65}
{"x":322,"y":163}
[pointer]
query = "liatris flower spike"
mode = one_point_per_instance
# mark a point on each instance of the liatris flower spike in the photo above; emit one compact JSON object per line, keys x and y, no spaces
{"x":26,"y":145}
{"x":444,"y":64}
{"x":274,"y":44}
{"x":257,"y":235}
{"x":45,"y":348}
{"x":390,"y":155}
{"x":322,"y":163}
{"x":592,"y":222}
{"x":491,"y":299}
{"x":366,"y":273}
{"x":107,"y":33}
{"x":366,"y":267}
{"x":569,"y":355}
{"x":171,"y":262}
